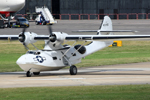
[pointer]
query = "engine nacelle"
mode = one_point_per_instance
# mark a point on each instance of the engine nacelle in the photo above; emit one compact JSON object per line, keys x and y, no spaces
{"x":57,"y":38}
{"x":81,"y":49}
{"x":27,"y":37}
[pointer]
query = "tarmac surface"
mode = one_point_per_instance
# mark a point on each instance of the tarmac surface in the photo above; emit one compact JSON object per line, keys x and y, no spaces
{"x":136,"y":73}
{"x":123,"y":74}
{"x":142,"y":26}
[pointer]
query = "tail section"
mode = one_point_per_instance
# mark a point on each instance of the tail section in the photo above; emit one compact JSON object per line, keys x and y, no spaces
{"x":106,"y":26}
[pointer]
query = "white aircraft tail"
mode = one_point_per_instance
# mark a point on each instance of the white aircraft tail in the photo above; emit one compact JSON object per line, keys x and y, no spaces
{"x":106,"y":26}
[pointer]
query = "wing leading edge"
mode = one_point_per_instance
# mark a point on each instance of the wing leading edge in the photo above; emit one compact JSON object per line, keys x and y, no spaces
{"x":107,"y":37}
{"x":8,"y":37}
{"x":85,"y":37}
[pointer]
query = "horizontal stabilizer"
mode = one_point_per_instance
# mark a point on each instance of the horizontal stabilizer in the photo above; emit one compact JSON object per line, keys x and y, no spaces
{"x":115,"y":31}
{"x":121,"y":31}
{"x":85,"y":31}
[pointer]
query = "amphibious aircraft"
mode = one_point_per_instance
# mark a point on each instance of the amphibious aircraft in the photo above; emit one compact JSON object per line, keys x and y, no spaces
{"x":55,"y":55}
{"x":8,"y":8}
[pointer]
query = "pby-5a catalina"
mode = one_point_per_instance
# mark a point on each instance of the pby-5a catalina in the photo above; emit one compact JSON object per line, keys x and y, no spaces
{"x":55,"y":55}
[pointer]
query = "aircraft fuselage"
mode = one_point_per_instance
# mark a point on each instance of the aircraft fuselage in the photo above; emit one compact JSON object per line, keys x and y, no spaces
{"x":37,"y":61}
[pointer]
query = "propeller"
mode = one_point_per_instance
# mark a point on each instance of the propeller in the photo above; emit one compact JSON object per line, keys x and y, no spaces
{"x":52,"y":37}
{"x":22,"y":38}
{"x":22,"y":35}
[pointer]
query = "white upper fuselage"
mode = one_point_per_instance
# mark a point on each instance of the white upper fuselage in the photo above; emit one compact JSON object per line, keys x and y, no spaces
{"x":11,"y":6}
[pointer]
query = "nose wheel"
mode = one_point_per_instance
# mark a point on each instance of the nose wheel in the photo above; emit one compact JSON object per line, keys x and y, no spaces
{"x":36,"y":73}
{"x":28,"y":74}
{"x":73,"y":70}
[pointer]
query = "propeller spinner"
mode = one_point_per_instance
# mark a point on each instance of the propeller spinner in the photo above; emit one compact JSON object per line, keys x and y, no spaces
{"x":52,"y":37}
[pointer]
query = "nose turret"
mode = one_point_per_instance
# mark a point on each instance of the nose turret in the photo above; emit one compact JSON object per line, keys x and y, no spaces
{"x":25,"y":62}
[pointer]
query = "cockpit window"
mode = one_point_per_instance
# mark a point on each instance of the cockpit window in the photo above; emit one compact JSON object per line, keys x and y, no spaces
{"x":33,"y":52}
{"x":30,"y":52}
{"x":37,"y":53}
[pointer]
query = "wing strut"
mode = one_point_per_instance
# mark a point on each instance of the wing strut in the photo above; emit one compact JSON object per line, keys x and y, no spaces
{"x":34,"y":46}
{"x":78,"y":49}
{"x":65,"y":57}
{"x":68,"y":49}
{"x":66,"y":62}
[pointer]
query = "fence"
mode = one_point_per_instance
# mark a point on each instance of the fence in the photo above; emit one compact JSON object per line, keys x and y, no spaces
{"x":93,"y":16}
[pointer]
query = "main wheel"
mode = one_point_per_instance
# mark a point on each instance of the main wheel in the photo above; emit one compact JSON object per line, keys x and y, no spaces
{"x":36,"y":73}
{"x":73,"y":70}
{"x":28,"y":74}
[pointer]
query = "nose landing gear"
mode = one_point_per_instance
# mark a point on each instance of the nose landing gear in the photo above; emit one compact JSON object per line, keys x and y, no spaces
{"x":28,"y":74}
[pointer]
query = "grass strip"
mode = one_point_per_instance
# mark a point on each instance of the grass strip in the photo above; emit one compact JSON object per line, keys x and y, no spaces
{"x":117,"y":92}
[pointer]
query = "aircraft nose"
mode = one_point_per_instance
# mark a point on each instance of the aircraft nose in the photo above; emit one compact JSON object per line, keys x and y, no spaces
{"x":20,"y":3}
{"x":21,"y":60}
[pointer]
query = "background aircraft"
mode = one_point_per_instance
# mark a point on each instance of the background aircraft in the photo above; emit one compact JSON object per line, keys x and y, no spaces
{"x":8,"y":8}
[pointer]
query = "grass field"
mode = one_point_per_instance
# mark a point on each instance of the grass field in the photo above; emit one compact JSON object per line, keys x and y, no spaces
{"x":130,"y":52}
{"x":125,"y":92}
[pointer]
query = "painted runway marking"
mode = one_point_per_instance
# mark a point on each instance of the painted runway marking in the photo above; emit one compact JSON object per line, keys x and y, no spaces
{"x":52,"y":79}
{"x":58,"y":79}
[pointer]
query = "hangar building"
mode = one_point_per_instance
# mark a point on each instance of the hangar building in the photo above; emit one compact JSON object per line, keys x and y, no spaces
{"x":89,"y":7}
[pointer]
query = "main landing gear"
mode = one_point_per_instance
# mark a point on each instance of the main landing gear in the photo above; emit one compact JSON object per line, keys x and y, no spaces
{"x":73,"y":70}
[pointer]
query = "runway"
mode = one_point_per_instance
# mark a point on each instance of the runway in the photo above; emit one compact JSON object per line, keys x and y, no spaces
{"x":123,"y":74}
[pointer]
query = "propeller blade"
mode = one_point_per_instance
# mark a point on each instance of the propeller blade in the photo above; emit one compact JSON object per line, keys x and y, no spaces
{"x":25,"y":46}
{"x":23,"y":31}
{"x":50,"y":30}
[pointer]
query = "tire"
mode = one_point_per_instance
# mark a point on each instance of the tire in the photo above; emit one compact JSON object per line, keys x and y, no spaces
{"x":73,"y":70}
{"x":28,"y":74}
{"x":6,"y":25}
{"x":36,"y":73}
{"x":43,"y":23}
{"x":36,"y":23}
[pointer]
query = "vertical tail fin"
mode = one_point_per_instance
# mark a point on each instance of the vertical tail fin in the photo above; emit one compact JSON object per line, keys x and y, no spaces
{"x":106,"y":26}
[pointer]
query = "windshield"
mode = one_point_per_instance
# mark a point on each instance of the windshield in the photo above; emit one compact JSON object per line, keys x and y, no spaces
{"x":22,"y":20}
{"x":33,"y":52}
